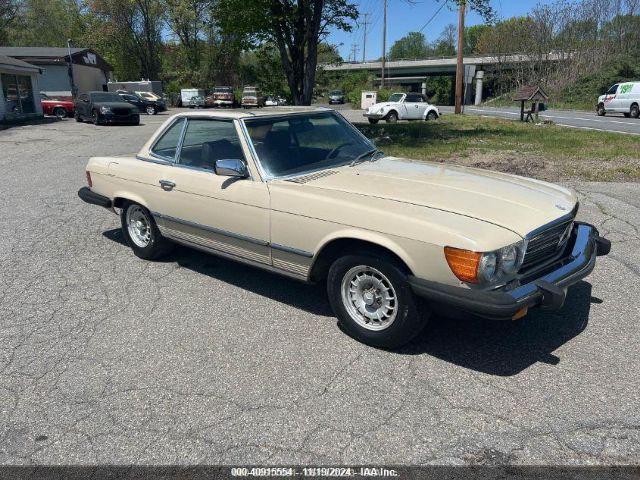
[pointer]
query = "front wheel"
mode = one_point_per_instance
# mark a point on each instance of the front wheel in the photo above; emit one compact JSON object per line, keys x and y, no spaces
{"x":601,"y":111}
{"x":151,"y":110}
{"x":373,"y":301}
{"x":60,"y":112}
{"x":142,"y":234}
{"x":95,"y":117}
{"x":392,"y":117}
{"x":432,"y":116}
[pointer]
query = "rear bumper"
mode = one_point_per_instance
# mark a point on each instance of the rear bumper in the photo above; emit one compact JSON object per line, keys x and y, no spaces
{"x":547,"y":291}
{"x":88,"y":196}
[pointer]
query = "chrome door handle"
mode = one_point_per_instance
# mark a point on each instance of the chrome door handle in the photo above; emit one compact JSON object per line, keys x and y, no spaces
{"x":167,"y":185}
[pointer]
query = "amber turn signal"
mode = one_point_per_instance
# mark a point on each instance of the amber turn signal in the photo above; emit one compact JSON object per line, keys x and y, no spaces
{"x":463,"y":263}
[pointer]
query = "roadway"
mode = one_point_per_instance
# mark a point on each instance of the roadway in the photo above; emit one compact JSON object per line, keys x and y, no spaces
{"x":566,"y":118}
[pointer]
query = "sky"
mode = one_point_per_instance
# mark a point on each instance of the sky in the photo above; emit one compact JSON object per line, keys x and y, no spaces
{"x":405,"y":16}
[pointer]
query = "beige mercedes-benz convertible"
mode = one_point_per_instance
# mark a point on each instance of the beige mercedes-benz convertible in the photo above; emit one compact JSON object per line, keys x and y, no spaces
{"x":301,"y":192}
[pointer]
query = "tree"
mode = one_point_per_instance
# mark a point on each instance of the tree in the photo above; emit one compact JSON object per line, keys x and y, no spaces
{"x":132,"y":28}
{"x":445,"y":46}
{"x":8,"y":10}
{"x":413,"y":45}
{"x":295,"y":27}
{"x":472,"y":36}
{"x":186,"y":19}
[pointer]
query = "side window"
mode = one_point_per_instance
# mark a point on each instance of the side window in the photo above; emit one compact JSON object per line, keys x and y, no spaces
{"x":412,"y":97}
{"x":206,"y":141}
{"x":167,"y":145}
{"x":613,"y":90}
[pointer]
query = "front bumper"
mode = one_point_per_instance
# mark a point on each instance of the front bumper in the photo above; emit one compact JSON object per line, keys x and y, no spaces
{"x":375,"y":116}
{"x":89,"y":196}
{"x":223,"y":102}
{"x":113,"y":118}
{"x":548,"y":291}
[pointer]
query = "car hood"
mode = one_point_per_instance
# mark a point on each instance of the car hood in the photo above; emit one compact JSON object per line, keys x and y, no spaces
{"x":516,"y":203}
{"x":114,"y":105}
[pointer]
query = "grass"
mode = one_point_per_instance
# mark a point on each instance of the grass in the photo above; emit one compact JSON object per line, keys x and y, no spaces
{"x":542,"y":151}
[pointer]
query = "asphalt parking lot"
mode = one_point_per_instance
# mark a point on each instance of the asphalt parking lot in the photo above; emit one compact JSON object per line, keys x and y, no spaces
{"x":106,"y":358}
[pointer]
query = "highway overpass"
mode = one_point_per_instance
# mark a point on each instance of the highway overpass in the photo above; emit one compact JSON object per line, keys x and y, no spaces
{"x":411,"y":72}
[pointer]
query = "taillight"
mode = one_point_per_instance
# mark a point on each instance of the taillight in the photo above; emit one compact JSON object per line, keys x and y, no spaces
{"x":89,"y":182}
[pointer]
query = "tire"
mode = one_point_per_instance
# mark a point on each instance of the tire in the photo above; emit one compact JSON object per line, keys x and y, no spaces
{"x":635,"y":111}
{"x":60,"y":112}
{"x":156,"y":245}
{"x":95,"y":117}
{"x":627,"y":115}
{"x":392,"y":117}
{"x":432,"y":116}
{"x":601,"y":111}
{"x":77,"y":116}
{"x":404,"y":320}
{"x":151,"y":110}
{"x":373,"y":121}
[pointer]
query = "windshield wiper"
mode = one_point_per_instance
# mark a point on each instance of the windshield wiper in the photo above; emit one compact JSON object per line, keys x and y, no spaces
{"x":362,"y":156}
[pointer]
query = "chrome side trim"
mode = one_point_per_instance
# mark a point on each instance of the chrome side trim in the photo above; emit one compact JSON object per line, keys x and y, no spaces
{"x":263,"y":266}
{"x":219,"y":231}
{"x":295,"y":251}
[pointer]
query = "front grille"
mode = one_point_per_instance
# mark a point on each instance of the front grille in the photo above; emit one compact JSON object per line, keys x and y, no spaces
{"x":547,"y":244}
{"x":121,"y":111}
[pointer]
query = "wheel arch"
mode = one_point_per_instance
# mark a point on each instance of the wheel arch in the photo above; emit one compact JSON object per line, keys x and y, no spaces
{"x":353,"y":243}
{"x":120,"y":199}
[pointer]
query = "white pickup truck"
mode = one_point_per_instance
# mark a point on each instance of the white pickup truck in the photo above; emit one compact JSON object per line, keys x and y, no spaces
{"x":402,"y":106}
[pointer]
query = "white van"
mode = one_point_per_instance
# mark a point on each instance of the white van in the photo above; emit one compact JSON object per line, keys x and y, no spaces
{"x":621,"y":98}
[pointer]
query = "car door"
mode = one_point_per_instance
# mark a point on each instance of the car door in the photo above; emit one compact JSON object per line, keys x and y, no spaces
{"x":221,"y":213}
{"x":415,"y":106}
{"x":610,"y":98}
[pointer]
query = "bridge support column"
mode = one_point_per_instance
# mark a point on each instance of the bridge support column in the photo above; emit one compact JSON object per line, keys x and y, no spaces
{"x":479,"y":85}
{"x":423,"y":88}
{"x":469,"y":73}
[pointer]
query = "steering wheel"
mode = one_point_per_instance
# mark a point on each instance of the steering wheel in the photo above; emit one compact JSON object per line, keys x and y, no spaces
{"x":335,"y":150}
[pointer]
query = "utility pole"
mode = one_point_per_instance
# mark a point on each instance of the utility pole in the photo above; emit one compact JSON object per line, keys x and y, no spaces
{"x":460,"y":60}
{"x":354,"y":52}
{"x":70,"y":67}
{"x":384,"y":43}
{"x":364,"y":40}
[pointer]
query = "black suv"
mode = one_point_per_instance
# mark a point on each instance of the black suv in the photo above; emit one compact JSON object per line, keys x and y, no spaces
{"x":105,"y":107}
{"x":150,"y":107}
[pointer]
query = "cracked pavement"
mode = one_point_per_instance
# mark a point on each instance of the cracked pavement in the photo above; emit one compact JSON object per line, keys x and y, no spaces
{"x":106,"y":358}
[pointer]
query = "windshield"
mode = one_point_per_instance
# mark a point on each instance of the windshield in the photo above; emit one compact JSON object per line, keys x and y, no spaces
{"x":222,"y":90}
{"x":336,"y":92}
{"x":302,"y":143}
{"x":396,"y":97}
{"x":106,"y":97}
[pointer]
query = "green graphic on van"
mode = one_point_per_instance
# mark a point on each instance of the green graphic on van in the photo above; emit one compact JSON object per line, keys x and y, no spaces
{"x":626,"y":88}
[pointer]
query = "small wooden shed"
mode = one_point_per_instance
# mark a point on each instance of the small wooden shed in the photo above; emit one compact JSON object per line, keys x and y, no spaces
{"x":530,"y":93}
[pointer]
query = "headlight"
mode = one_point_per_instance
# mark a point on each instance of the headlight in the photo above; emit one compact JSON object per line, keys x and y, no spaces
{"x":485,"y":267}
{"x":105,"y":110}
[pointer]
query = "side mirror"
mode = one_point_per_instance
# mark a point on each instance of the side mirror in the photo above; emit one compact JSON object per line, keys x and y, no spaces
{"x":231,"y":167}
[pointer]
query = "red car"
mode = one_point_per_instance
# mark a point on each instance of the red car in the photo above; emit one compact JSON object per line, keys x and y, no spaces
{"x":58,"y":108}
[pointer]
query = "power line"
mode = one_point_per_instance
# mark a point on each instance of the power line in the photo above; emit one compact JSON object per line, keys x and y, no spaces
{"x":433,"y":16}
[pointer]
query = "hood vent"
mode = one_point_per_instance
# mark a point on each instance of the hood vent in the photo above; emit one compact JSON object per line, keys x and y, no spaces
{"x":312,"y":176}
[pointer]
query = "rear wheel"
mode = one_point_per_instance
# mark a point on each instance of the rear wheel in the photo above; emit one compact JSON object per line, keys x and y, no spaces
{"x":77,"y":116}
{"x":635,"y":111}
{"x":392,"y":117}
{"x":373,"y":301}
{"x":601,"y":110}
{"x":142,"y":234}
{"x":432,"y":115}
{"x":151,"y":110}
{"x":60,"y":112}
